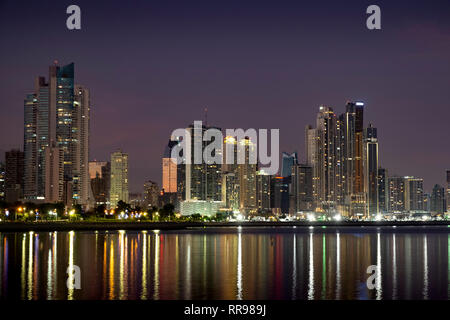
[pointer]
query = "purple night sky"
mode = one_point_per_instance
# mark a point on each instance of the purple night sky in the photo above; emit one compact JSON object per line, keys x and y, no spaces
{"x":153,"y":66}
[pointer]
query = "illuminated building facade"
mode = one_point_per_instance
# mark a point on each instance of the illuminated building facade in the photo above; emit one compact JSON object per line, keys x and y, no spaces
{"x":119,"y":179}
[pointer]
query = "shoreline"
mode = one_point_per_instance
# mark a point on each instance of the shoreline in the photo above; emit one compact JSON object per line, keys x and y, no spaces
{"x":119,"y":225}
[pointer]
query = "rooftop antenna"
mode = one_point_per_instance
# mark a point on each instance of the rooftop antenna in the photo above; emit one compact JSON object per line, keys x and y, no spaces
{"x":206,"y":117}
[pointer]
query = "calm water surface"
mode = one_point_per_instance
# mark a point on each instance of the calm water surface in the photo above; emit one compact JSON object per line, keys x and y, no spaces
{"x":229,"y":263}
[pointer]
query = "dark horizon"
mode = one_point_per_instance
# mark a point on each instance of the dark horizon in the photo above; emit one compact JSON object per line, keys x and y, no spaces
{"x":154,"y":67}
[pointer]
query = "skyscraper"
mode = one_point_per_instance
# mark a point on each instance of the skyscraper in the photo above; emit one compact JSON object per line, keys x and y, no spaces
{"x":56,"y":115}
{"x":448,"y":191}
{"x":396,"y":194}
{"x":383,"y":190}
{"x":321,"y":155}
{"x":119,"y":178}
{"x":169,"y":169}
{"x":13,"y":175}
{"x":247,"y":178}
{"x":370,"y":165}
{"x":263,"y":192}
{"x":203,"y":181}
{"x":414,"y":194}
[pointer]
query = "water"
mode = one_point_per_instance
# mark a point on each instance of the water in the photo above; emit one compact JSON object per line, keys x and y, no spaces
{"x":229,"y":263}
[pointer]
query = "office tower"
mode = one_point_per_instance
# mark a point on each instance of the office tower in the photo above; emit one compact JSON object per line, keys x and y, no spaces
{"x":100,"y":175}
{"x":352,"y":122}
{"x":448,"y":191}
{"x":413,"y":194}
{"x":80,"y":145}
{"x":56,"y":115}
{"x":383,"y":190}
{"x":396,"y":194}
{"x":203,"y":181}
{"x":230,"y":191}
{"x":312,"y":143}
{"x":247,"y":178}
{"x":54,"y":174}
{"x":119,"y":178}
{"x":151,"y":194}
{"x":169,"y":169}
{"x":2,"y":181}
{"x":370,"y":165}
{"x":13,"y":175}
{"x":438,"y":201}
{"x":301,"y":194}
{"x":325,"y":158}
{"x":287,"y":162}
{"x":263,"y":192}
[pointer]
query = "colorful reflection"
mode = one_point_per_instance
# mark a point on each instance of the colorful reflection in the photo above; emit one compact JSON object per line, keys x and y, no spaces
{"x":241,"y":263}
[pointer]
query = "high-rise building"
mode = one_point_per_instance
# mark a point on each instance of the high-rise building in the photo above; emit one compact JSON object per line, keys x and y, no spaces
{"x":370,"y":165}
{"x":203,"y":181}
{"x":383,"y":190}
{"x":414,"y":194}
{"x":13,"y":175}
{"x":396,"y":194}
{"x":100,"y":175}
{"x":438,"y":201}
{"x":2,"y":181}
{"x":80,"y":145}
{"x":230,"y":191}
{"x":56,"y":115}
{"x":448,"y":191}
{"x":247,"y":178}
{"x":54,"y":175}
{"x":151,"y":194}
{"x":287,"y":162}
{"x":301,"y":193}
{"x":169,"y":169}
{"x":119,"y":178}
{"x":263,"y":192}
{"x":321,"y":155}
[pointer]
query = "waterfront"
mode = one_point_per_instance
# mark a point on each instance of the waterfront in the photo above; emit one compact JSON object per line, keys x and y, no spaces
{"x":229,"y":263}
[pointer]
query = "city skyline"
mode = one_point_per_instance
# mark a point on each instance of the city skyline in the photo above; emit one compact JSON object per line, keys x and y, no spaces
{"x":278,"y":80}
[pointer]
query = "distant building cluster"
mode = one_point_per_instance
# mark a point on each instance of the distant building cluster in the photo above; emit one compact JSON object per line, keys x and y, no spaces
{"x":340,"y":174}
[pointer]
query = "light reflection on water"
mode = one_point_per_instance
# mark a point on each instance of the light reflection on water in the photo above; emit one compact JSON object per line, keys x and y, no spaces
{"x":230,"y":263}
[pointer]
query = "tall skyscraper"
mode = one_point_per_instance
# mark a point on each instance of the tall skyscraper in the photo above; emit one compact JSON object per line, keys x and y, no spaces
{"x":448,"y":191}
{"x":55,"y":188}
{"x":414,"y":194}
{"x":56,"y":115}
{"x":13,"y":175}
{"x":100,"y":175}
{"x":383,"y":190}
{"x":370,"y":165}
{"x":247,"y":178}
{"x":263,"y":192}
{"x":203,"y":181}
{"x":321,"y":155}
{"x":169,"y":169}
{"x":119,"y":178}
